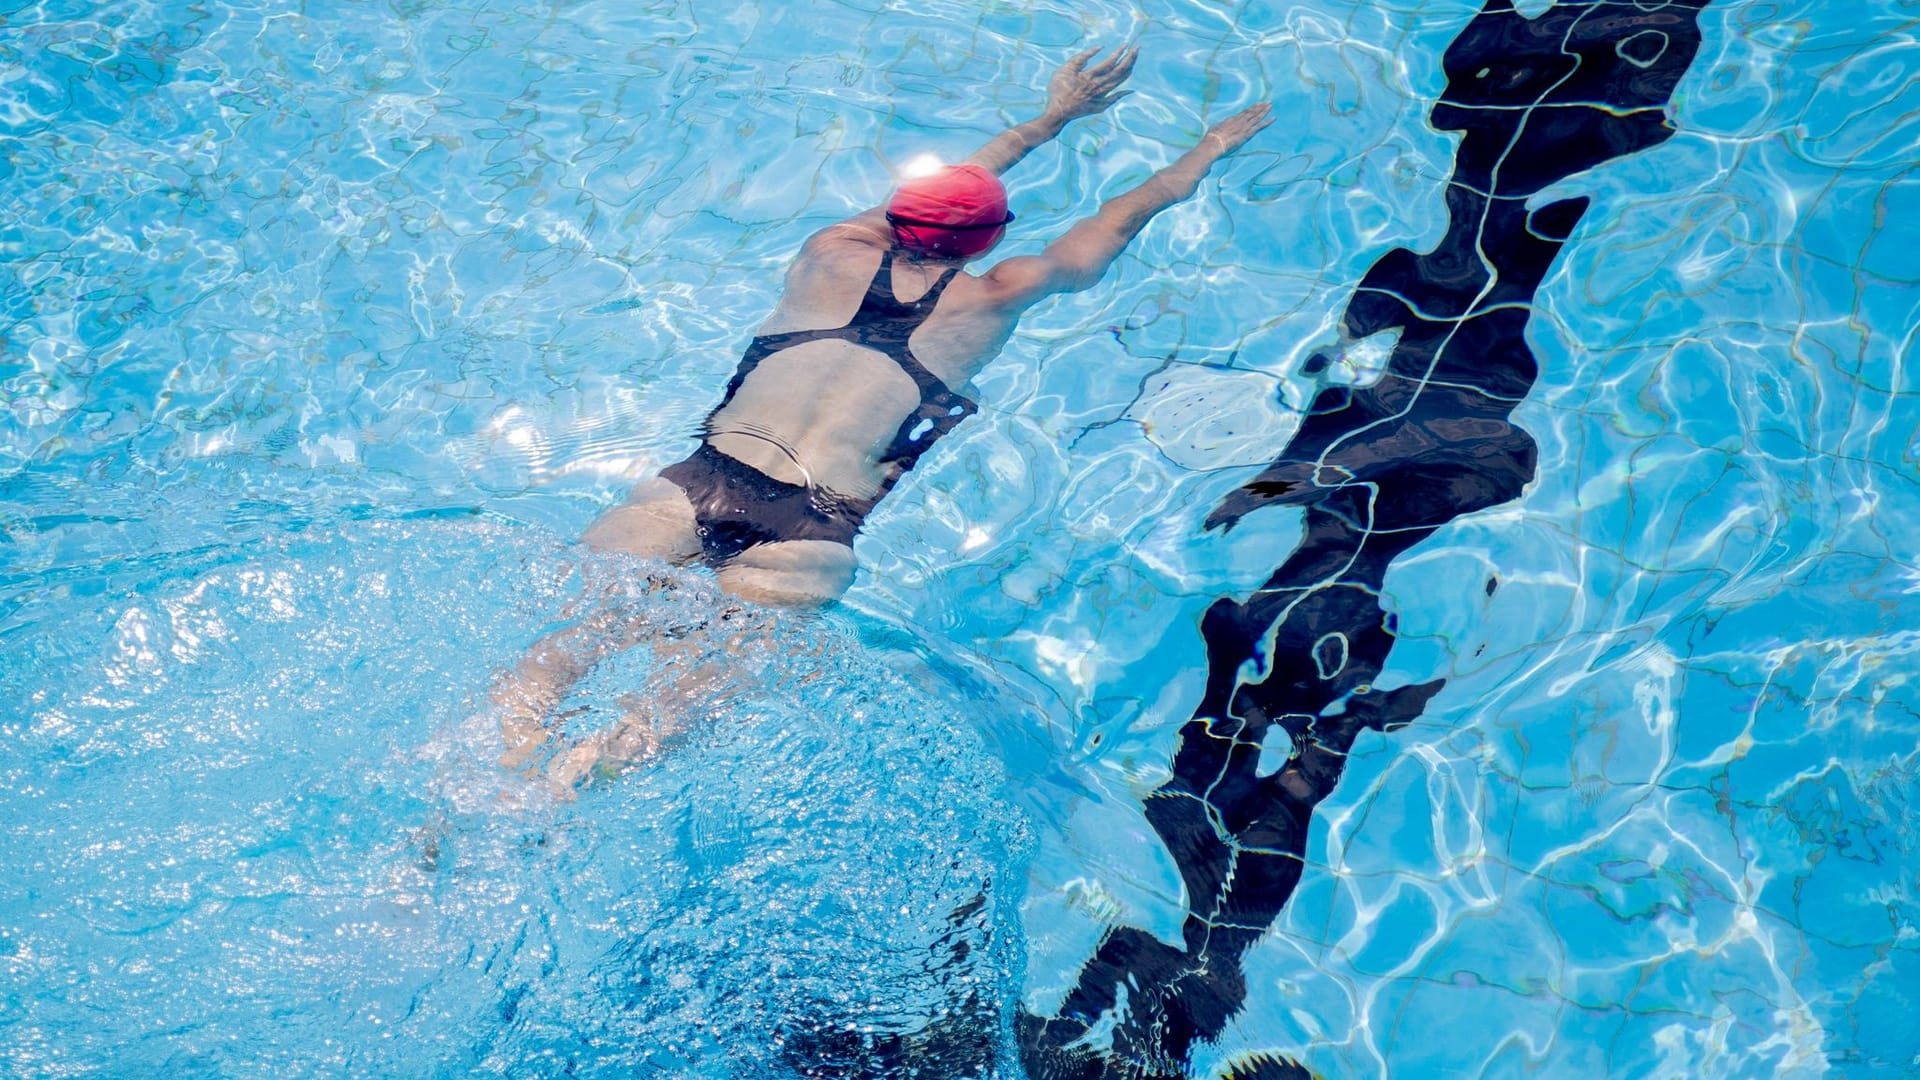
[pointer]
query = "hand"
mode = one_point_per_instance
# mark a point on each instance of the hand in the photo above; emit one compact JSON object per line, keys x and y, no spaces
{"x":1235,"y":130}
{"x":1078,"y":90}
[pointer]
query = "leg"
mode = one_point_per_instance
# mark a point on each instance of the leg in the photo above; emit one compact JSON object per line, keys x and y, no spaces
{"x":637,"y":736}
{"x":785,"y":573}
{"x":693,"y":667}
{"x":790,"y":573}
{"x":527,"y":695}
{"x":656,"y":522}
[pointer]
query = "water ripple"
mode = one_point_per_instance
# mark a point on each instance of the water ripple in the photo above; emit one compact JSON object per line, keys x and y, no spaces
{"x":267,"y":272}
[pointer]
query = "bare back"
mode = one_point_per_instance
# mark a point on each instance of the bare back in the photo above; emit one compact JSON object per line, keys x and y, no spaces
{"x":823,"y":413}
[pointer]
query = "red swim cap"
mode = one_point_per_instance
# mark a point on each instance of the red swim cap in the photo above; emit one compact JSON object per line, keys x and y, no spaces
{"x":956,"y":213}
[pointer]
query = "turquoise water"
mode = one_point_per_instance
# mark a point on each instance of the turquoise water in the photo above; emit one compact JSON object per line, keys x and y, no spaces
{"x":327,"y":329}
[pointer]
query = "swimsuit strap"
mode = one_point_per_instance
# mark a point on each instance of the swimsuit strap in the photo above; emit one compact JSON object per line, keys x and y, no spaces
{"x":933,"y":389}
{"x":882,"y":323}
{"x":880,"y":288}
{"x":880,"y":298}
{"x":885,"y":325}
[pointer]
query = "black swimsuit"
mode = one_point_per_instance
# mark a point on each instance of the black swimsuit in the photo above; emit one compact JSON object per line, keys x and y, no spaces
{"x":736,"y":506}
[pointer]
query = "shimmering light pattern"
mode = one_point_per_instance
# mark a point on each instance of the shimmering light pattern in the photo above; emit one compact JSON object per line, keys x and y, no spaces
{"x":325,"y":326}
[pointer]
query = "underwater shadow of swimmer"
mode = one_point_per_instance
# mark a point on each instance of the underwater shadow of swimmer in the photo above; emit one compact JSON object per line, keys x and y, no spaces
{"x":962,"y":1040}
{"x":798,"y":1027}
{"x":1377,"y":469}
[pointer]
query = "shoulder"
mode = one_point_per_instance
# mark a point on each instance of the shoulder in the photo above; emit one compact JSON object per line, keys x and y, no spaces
{"x":863,"y":233}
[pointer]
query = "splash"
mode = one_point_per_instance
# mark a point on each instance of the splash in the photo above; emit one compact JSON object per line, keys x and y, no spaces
{"x":268,"y":776}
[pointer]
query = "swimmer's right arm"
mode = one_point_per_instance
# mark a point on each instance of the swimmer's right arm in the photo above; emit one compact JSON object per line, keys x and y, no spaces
{"x":1076,"y":90}
{"x":1079,"y":259}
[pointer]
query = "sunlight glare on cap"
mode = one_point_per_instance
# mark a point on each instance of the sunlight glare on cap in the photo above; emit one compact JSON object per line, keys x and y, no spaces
{"x":921,"y":165}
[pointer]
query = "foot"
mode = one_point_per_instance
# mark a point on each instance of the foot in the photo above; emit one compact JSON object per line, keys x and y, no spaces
{"x":523,"y":735}
{"x":637,"y":737}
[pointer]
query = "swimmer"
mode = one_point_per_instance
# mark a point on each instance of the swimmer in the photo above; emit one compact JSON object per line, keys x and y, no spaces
{"x":860,"y":370}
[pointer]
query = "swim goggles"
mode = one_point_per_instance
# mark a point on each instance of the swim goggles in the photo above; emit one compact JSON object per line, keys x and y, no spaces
{"x":896,"y":219}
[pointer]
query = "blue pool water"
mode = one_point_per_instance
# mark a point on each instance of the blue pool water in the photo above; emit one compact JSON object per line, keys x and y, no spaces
{"x":327,"y":328}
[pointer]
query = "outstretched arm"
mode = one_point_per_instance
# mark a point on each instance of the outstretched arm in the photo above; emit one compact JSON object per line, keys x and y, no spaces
{"x":1078,"y":260}
{"x":1076,"y":90}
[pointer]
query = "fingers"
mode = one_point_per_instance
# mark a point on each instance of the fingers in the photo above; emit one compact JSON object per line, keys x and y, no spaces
{"x":1235,"y":130}
{"x":1250,"y":119}
{"x":1115,"y":69}
{"x":1256,"y":117}
{"x":1079,"y":90}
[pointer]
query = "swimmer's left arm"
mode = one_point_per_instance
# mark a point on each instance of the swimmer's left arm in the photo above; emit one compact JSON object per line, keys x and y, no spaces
{"x":1080,"y":258}
{"x":1076,"y":90}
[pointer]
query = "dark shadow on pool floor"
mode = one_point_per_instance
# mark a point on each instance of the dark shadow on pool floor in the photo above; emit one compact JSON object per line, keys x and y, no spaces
{"x":1377,"y":469}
